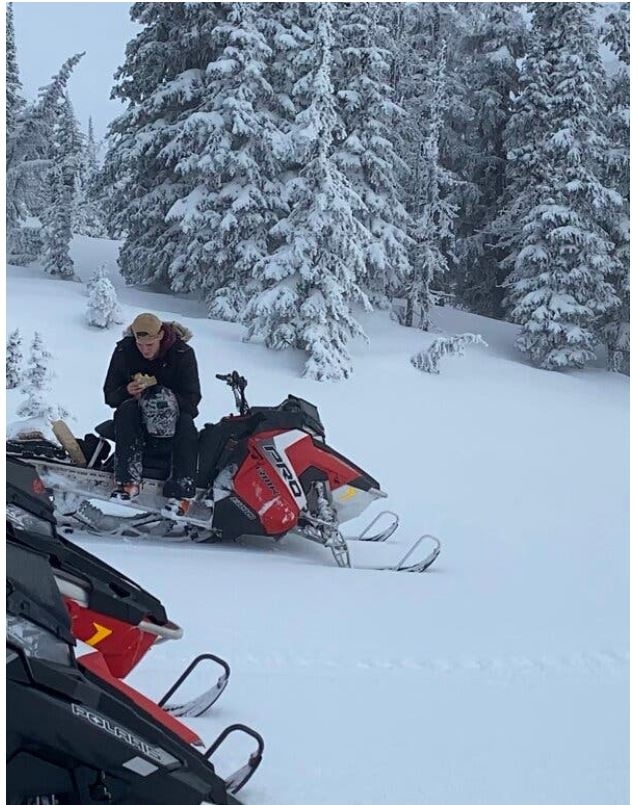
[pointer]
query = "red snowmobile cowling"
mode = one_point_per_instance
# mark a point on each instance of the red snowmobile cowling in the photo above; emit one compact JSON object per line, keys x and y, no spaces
{"x":121,"y":644}
{"x":273,"y":479}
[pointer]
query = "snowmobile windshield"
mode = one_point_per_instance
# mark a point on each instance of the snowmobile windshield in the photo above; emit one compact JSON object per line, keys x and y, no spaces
{"x":38,"y":623}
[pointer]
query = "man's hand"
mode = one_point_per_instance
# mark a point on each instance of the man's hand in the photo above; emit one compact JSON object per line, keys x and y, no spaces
{"x":135,"y":388}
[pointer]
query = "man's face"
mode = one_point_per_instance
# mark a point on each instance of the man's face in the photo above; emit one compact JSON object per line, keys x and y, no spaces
{"x":149,"y":347}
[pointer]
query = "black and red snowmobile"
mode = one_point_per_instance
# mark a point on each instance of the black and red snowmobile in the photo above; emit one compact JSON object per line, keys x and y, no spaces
{"x":74,"y":738}
{"x":88,"y":600}
{"x":266,"y":471}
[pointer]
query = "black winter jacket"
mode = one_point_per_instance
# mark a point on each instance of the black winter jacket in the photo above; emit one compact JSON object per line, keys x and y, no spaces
{"x":175,"y":367}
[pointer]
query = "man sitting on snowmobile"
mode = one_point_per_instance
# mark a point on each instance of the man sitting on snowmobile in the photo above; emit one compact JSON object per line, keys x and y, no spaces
{"x":153,"y":384}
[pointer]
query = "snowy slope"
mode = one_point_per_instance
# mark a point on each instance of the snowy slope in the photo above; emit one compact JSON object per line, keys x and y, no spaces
{"x":501,"y":675}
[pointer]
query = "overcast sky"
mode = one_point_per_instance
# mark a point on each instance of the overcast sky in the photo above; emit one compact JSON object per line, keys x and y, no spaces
{"x":48,"y":33}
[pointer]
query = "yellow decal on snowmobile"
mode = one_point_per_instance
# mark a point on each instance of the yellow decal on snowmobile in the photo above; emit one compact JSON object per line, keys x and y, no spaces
{"x":349,"y":493}
{"x":99,"y":635}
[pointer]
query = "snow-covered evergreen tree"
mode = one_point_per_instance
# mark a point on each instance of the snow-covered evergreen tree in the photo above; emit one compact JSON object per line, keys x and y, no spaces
{"x":15,"y":102}
{"x":36,"y":386}
{"x":420,"y":32}
{"x":14,"y":360}
{"x":29,"y":157}
{"x":491,"y":45}
{"x":87,"y":216}
{"x":90,"y":150}
{"x":311,"y":277}
{"x":367,"y":155}
{"x":615,"y":326}
{"x":63,"y":178}
{"x":562,"y":257}
{"x":162,"y":81}
{"x":103,"y":308}
{"x":226,"y":152}
{"x":15,"y":105}
{"x":432,"y":215}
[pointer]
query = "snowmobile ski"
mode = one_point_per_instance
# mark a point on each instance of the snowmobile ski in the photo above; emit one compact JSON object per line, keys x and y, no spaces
{"x":381,"y":535}
{"x":199,"y":705}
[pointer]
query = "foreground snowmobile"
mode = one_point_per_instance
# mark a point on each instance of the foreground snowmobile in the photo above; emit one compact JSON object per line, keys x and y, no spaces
{"x":73,"y":737}
{"x":266,"y":471}
{"x":108,"y":612}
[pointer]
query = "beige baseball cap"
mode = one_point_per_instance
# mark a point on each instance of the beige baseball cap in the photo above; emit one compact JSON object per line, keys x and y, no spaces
{"x":146,"y":327}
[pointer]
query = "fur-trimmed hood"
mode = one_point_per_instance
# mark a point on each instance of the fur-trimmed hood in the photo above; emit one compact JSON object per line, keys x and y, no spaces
{"x":179,"y":330}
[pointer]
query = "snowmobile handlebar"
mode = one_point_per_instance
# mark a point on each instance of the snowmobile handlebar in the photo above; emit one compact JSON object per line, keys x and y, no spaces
{"x":238,"y":384}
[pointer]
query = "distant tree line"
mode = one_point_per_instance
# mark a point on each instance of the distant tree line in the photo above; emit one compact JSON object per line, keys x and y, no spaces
{"x":292,"y":164}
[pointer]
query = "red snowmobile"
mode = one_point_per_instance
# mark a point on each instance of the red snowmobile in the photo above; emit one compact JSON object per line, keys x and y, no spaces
{"x":266,"y":471}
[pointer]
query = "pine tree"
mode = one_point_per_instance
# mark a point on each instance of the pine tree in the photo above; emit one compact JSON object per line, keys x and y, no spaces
{"x":367,"y":154}
{"x":311,"y":278}
{"x":90,"y":150}
{"x":14,"y":360}
{"x":37,"y":383}
{"x":102,"y":307}
{"x":63,"y":180}
{"x":87,"y":217}
{"x":15,"y":103}
{"x":29,"y":158}
{"x":227,"y":147}
{"x":162,"y":81}
{"x":420,"y":30}
{"x":615,"y":326}
{"x":562,"y":258}
{"x":432,"y":215}
{"x":491,"y":46}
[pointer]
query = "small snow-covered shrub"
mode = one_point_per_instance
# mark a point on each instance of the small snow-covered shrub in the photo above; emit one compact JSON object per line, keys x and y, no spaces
{"x":14,"y":360}
{"x":428,"y":359}
{"x":37,"y":385}
{"x":102,"y":308}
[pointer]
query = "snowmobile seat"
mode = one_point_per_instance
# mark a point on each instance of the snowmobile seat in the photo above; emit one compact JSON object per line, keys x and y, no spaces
{"x":157,"y":453}
{"x":106,"y":429}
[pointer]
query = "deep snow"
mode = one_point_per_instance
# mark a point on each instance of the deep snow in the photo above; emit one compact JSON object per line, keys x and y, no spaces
{"x":500,"y":676}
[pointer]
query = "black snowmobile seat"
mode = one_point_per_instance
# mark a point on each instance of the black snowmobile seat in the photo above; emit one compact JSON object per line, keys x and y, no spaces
{"x":106,"y":429}
{"x":157,"y":453}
